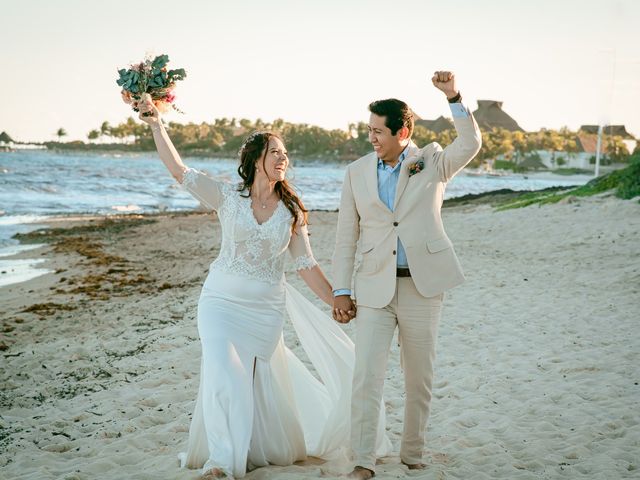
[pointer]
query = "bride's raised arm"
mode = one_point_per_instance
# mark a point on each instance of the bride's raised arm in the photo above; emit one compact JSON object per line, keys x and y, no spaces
{"x":204,"y":188}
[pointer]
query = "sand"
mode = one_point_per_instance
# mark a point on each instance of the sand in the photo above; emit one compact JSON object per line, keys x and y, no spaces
{"x":536,"y":375}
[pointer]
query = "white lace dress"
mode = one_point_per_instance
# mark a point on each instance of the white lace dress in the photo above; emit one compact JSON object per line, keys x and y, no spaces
{"x":257,"y":403}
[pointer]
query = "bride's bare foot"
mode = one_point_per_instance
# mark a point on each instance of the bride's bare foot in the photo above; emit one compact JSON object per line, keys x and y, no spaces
{"x":213,"y":473}
{"x":415,"y":466}
{"x":361,"y":473}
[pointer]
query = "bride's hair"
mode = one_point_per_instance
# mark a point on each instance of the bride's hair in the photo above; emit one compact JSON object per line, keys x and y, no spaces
{"x":254,"y":147}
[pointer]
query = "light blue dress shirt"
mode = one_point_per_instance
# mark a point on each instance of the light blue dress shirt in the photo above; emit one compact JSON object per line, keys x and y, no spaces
{"x":387,"y":183}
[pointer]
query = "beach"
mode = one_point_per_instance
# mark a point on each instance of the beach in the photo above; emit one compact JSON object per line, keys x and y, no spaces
{"x":536,"y":374}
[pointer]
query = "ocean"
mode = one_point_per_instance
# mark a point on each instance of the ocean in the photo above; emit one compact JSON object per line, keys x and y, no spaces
{"x":38,"y":184}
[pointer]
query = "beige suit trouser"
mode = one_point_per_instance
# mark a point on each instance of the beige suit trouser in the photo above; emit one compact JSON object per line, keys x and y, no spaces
{"x":417,"y":318}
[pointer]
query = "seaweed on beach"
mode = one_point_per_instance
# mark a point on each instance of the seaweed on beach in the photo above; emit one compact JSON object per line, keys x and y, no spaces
{"x":45,"y":309}
{"x":109,"y":275}
{"x":114,"y":282}
{"x":88,"y":249}
{"x":623,"y":183}
{"x":112,"y":225}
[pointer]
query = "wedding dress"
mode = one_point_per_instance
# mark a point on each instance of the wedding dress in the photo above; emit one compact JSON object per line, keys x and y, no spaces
{"x":257,"y":403}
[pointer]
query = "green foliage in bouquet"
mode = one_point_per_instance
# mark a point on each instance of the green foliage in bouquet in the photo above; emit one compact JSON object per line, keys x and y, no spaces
{"x":151,"y":76}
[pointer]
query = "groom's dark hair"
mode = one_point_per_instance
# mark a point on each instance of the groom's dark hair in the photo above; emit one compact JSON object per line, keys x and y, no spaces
{"x":397,"y":114}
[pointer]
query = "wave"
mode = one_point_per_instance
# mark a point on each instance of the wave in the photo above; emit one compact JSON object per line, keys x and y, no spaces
{"x":9,"y":250}
{"x":6,"y":220}
{"x":126,"y":208}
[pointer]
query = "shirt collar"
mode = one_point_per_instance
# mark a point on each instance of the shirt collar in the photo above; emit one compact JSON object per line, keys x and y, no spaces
{"x":402,"y":156}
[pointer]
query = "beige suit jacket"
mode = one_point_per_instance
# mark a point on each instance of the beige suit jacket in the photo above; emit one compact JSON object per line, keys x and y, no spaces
{"x":365,"y":220}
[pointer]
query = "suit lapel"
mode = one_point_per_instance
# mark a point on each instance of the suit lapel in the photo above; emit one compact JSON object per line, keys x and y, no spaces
{"x":403,"y":179}
{"x":371,"y":179}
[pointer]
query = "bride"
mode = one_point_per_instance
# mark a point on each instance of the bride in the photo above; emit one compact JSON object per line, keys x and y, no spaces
{"x":257,"y":403}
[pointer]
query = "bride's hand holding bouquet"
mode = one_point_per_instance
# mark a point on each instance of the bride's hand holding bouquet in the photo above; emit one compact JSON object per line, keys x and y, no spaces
{"x":149,"y":113}
{"x":148,"y":86}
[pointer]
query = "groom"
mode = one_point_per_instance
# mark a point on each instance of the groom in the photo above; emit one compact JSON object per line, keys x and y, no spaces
{"x":390,"y":203}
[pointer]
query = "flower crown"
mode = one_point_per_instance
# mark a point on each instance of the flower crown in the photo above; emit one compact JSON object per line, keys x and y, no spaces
{"x":251,"y":138}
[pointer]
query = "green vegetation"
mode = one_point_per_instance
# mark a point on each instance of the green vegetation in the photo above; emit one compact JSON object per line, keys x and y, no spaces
{"x":496,"y":198}
{"x":515,"y":151}
{"x":61,"y":132}
{"x":625,"y":183}
{"x":507,"y":165}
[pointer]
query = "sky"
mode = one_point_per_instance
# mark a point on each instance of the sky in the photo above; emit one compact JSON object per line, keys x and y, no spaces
{"x":553,"y":63}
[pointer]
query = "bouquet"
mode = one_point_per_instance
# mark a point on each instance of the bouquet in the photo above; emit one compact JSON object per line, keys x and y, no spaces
{"x":152,"y":77}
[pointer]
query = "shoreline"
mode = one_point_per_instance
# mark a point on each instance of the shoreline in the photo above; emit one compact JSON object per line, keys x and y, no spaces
{"x":27,"y":258}
{"x":200,"y":154}
{"x":312,"y":160}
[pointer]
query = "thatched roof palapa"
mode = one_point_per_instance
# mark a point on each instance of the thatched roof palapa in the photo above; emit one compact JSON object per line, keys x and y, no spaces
{"x":490,"y":115}
{"x":614,"y":130}
{"x":438,"y":125}
{"x":4,"y":137}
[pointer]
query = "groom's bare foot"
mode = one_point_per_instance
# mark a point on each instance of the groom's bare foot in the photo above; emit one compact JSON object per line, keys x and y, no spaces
{"x":213,"y":473}
{"x":361,"y":473}
{"x":415,"y":466}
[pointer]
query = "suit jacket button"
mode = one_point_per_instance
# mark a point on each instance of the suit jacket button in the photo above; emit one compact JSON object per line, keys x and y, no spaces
{"x":395,"y":224}
{"x":394,"y":252}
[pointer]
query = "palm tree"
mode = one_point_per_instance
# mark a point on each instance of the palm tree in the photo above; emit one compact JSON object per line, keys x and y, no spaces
{"x":119,"y":131}
{"x":519,"y":142}
{"x":551,"y":141}
{"x":61,"y":132}
{"x":616,"y":148}
{"x":134,"y":129}
{"x":93,"y":135}
{"x":105,"y":129}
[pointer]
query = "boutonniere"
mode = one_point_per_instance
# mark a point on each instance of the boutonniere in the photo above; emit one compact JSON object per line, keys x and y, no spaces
{"x":416,"y":167}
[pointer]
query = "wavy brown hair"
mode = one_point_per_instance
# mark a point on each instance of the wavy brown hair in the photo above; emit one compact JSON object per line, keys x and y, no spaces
{"x":255,"y":147}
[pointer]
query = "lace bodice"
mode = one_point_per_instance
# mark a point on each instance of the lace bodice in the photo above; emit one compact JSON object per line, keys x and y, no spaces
{"x":248,"y":248}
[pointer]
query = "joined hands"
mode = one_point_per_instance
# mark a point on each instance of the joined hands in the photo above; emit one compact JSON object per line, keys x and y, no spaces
{"x":344,"y":310}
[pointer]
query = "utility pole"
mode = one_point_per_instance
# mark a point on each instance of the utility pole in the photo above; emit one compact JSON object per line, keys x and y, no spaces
{"x":598,"y":149}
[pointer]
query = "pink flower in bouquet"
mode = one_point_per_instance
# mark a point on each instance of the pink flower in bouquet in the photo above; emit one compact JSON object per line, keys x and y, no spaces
{"x":150,"y":77}
{"x":162,"y":105}
{"x":126,"y":97}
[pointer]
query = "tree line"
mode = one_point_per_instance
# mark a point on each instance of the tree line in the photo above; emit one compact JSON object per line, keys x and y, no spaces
{"x":224,"y":137}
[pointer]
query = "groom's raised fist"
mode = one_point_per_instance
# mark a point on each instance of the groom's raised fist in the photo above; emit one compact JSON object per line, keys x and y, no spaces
{"x":445,"y":81}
